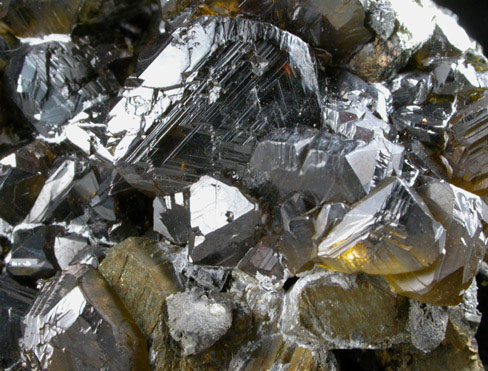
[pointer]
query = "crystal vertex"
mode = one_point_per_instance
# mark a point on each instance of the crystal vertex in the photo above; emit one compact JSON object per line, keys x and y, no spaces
{"x":389,"y":231}
{"x":224,"y":223}
{"x":463,"y":216}
{"x":311,"y":161}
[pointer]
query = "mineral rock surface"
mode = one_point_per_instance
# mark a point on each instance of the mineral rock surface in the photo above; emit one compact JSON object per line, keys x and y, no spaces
{"x":77,"y":322}
{"x":262,"y":184}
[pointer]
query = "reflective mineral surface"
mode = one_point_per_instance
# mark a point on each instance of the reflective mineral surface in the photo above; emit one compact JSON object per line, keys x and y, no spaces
{"x":241,"y":185}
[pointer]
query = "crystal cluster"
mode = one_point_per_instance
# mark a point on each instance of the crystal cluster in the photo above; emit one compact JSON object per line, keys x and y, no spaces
{"x":242,"y":185}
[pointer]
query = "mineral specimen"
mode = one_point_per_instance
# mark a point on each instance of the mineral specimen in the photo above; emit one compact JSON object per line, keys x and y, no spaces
{"x":261,"y":184}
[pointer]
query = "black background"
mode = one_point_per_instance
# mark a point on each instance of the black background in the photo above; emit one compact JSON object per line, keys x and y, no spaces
{"x":473,"y":17}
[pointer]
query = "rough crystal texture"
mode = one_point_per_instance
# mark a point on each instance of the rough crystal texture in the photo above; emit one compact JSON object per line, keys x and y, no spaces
{"x":136,"y":263}
{"x":389,"y":231}
{"x":463,"y":216}
{"x":382,"y":58}
{"x":238,"y":76}
{"x":339,"y":311}
{"x":274,"y":352}
{"x":467,"y":153}
{"x":53,"y":81}
{"x":77,"y":322}
{"x":196,"y":321}
{"x":330,"y":167}
{"x":15,"y":301}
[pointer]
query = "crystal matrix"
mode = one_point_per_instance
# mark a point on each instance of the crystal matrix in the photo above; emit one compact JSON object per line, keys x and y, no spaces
{"x":242,"y":185}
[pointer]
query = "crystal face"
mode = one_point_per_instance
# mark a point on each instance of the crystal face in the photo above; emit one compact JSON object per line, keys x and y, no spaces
{"x":165,"y":146}
{"x":240,"y":185}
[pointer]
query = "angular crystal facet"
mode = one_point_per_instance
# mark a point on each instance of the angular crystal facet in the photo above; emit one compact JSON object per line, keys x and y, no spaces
{"x":78,"y":322}
{"x":32,"y":252}
{"x":389,"y":231}
{"x":332,"y":168}
{"x":463,"y":216}
{"x":224,"y":223}
{"x":51,"y":82}
{"x":238,"y":77}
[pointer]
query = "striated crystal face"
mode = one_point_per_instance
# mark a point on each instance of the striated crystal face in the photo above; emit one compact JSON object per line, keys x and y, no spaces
{"x":240,"y":185}
{"x":199,"y":107}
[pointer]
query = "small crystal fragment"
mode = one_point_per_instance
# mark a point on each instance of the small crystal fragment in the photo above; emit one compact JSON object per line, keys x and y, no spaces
{"x":171,"y":218}
{"x":264,"y":261}
{"x":67,"y":247}
{"x":196,"y":320}
{"x":427,"y":123}
{"x":32,"y":252}
{"x":411,"y":88}
{"x":298,"y":230}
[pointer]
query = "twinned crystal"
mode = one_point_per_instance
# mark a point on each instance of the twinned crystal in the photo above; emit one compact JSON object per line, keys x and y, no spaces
{"x":241,"y":185}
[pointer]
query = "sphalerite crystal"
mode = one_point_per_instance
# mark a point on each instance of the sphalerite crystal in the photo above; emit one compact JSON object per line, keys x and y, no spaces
{"x":241,"y":185}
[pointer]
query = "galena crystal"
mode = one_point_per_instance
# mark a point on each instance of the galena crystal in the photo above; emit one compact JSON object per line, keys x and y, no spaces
{"x":78,"y":322}
{"x":212,"y":185}
{"x":237,"y":75}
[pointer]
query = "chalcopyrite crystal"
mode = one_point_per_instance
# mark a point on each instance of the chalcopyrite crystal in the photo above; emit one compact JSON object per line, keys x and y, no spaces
{"x":241,"y":185}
